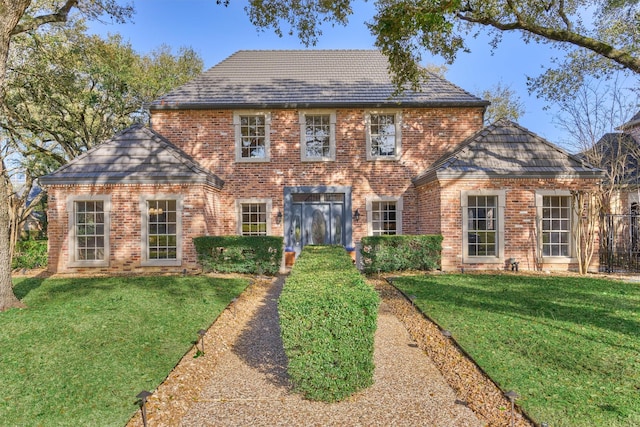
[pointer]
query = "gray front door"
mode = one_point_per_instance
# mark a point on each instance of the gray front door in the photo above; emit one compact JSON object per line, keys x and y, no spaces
{"x":322,"y":224}
{"x":316,"y":216}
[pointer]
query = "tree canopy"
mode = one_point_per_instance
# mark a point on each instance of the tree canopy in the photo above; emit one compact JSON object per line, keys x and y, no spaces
{"x":599,"y":36}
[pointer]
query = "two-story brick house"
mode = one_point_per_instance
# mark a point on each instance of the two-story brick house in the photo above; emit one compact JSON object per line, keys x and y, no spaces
{"x":314,"y":146}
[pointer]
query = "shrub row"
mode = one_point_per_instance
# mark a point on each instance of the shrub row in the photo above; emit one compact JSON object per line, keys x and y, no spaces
{"x":328,"y":318}
{"x":29,"y":254}
{"x":397,"y":253}
{"x":240,"y":254}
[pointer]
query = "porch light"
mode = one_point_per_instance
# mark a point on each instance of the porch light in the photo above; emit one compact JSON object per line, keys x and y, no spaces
{"x":356,"y":215}
{"x":279,"y":217}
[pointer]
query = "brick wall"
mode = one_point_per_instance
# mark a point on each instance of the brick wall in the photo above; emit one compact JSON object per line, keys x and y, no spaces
{"x":520,"y":236}
{"x":200,"y":213}
{"x":426,"y":135}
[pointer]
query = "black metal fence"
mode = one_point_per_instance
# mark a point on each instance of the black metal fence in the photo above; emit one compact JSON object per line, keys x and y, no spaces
{"x":620,"y":243}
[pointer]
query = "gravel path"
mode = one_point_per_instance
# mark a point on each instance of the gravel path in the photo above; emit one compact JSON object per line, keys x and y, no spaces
{"x":241,"y":379}
{"x":250,"y":385}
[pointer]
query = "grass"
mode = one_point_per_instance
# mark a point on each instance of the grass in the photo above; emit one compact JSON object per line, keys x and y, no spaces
{"x":569,"y":346}
{"x":85,"y":348}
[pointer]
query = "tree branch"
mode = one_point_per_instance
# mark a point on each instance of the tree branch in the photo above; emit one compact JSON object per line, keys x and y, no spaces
{"x":60,"y":15}
{"x":621,"y":57}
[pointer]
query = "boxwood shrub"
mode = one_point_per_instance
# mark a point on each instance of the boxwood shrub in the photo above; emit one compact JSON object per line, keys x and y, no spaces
{"x":240,"y":254}
{"x":328,"y":318}
{"x":397,"y":253}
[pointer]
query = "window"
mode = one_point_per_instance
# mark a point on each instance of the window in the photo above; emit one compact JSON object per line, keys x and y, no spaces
{"x":317,"y":131}
{"x":89,"y":227}
{"x":252,"y":136}
{"x":556,"y":226}
{"x":483,"y":226}
{"x":161,"y":231}
{"x":254,"y":217}
{"x":384,"y":216}
{"x":383,"y":135}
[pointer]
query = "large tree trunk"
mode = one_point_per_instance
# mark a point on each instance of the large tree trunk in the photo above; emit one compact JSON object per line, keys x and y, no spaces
{"x":10,"y":13}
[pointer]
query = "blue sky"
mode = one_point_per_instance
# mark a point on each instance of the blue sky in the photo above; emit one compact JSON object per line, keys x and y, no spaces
{"x":216,"y":32}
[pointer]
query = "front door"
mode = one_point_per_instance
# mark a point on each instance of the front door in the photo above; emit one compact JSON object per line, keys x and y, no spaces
{"x":315,"y":219}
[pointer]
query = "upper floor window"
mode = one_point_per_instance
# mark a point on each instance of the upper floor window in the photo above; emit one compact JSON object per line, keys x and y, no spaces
{"x":383,"y":135}
{"x":384,"y":216}
{"x":252,"y":131}
{"x":483,"y":225}
{"x":161,"y":231}
{"x":318,"y":136}
{"x":89,"y":225}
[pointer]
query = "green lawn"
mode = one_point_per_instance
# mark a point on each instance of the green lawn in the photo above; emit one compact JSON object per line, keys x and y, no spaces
{"x":85,"y":347}
{"x":570,"y":347}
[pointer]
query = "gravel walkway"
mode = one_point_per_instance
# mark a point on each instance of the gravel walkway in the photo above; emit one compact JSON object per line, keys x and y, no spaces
{"x":241,"y":380}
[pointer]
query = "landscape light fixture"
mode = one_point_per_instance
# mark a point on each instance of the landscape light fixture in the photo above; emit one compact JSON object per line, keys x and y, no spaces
{"x":142,"y":401}
{"x":512,"y":396}
{"x":356,"y":215}
{"x":201,"y":333}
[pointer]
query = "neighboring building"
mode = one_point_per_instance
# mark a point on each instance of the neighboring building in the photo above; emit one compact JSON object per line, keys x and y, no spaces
{"x":314,"y":146}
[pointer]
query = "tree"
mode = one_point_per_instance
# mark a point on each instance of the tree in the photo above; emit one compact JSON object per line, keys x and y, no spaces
{"x":590,"y":30}
{"x":505,"y":104}
{"x":16,"y":17}
{"x":67,"y":91}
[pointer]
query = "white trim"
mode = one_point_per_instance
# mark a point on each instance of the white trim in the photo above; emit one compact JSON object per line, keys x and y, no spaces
{"x":144,"y":232}
{"x":398,"y":135}
{"x":238,"y":137}
{"x":332,"y":135}
{"x":572,"y":243}
{"x":255,"y":200}
{"x":464,"y":200}
{"x":369,"y":207}
{"x":71,"y":211}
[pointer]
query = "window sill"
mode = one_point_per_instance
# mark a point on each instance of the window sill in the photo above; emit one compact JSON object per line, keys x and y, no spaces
{"x":161,"y":263}
{"x":252,"y":160}
{"x":482,"y":260}
{"x":89,"y":264}
{"x":558,"y":260}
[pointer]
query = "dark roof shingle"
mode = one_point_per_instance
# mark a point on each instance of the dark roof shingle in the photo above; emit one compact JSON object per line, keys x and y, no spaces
{"x":507,"y":150}
{"x":135,"y":155}
{"x":307,"y":78}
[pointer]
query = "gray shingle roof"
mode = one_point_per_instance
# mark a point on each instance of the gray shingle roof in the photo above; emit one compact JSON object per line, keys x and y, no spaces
{"x":608,"y":152}
{"x":307,"y":78}
{"x":135,"y":155}
{"x":635,"y":121}
{"x":507,"y":150}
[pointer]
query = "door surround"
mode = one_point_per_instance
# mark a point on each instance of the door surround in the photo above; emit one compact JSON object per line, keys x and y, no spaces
{"x":320,"y":189}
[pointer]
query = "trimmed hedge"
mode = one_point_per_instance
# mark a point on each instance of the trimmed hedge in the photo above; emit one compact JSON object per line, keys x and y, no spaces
{"x":397,"y":253}
{"x":328,"y":318}
{"x":30,"y":254}
{"x":240,"y":254}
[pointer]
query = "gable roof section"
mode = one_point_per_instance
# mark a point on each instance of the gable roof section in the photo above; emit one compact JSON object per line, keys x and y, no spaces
{"x":617,"y":152}
{"x":135,"y":155}
{"x":507,"y":150}
{"x":635,"y":121}
{"x":307,"y":79}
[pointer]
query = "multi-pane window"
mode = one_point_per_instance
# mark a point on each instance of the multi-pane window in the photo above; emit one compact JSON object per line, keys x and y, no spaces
{"x":254,"y":219}
{"x":252,"y":137}
{"x":556,"y":226}
{"x":317,"y":136}
{"x":384,"y":218}
{"x":162,"y":230}
{"x":89,"y":230}
{"x":482,"y":217}
{"x":382,"y":136}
